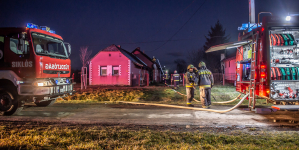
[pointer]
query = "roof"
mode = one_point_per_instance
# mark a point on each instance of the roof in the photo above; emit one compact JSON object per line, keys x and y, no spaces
{"x":146,"y":56}
{"x":230,"y":58}
{"x":227,"y":45}
{"x":130,"y":56}
{"x":138,"y":49}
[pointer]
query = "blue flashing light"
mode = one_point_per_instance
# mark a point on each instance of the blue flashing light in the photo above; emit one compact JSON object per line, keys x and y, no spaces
{"x":250,"y":28}
{"x":31,"y":25}
{"x":56,"y":81}
{"x":52,"y":31}
{"x":67,"y":81}
{"x":45,"y":28}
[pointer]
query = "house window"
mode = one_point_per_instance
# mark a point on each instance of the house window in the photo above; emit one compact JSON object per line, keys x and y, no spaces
{"x":103,"y":71}
{"x":115,"y":71}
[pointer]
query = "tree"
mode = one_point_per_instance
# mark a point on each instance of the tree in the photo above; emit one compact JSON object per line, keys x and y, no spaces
{"x":196,"y":56}
{"x":181,"y":65}
{"x":84,"y":57}
{"x":215,"y":37}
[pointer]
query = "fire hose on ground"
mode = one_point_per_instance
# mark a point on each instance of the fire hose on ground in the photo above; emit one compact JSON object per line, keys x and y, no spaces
{"x":194,"y":108}
{"x":225,"y":102}
{"x":191,"y":108}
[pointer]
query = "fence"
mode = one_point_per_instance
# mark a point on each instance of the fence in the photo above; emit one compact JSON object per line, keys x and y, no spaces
{"x":224,"y":79}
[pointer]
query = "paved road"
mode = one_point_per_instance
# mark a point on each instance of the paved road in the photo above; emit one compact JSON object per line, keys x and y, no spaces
{"x":148,"y":115}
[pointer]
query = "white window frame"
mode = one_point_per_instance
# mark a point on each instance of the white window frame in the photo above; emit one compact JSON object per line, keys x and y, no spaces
{"x":115,"y":68}
{"x":103,"y":67}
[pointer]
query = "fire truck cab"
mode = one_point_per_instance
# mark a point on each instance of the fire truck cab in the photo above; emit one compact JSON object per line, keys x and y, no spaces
{"x":267,"y":61}
{"x":34,"y":67}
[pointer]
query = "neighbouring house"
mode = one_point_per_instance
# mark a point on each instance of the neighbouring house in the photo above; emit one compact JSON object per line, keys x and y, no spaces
{"x":228,"y":66}
{"x":116,"y":66}
{"x":155,"y":71}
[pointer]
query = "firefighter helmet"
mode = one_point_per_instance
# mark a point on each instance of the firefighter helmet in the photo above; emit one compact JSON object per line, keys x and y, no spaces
{"x":201,"y":64}
{"x":175,"y":71}
{"x":190,"y":66}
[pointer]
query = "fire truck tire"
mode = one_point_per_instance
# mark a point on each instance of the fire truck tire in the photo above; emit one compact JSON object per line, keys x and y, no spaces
{"x":45,"y":103}
{"x":9,"y":103}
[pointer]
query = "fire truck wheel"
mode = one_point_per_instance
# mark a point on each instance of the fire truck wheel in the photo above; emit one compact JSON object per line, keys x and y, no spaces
{"x":9,"y":104}
{"x":45,"y":103}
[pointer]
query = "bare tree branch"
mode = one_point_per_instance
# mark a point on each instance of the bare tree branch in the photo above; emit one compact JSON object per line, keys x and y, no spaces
{"x":84,"y":55}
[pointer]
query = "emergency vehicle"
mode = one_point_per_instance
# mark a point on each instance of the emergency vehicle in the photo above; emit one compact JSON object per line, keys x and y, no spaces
{"x":34,"y":67}
{"x":267,"y":61}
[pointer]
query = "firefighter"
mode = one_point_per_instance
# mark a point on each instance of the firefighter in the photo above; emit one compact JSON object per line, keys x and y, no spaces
{"x":190,"y":78}
{"x":166,"y":77}
{"x":205,"y":83}
{"x":176,"y":79}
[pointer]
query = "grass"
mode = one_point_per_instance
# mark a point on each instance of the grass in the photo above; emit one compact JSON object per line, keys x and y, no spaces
{"x":158,"y":94}
{"x":95,"y":137}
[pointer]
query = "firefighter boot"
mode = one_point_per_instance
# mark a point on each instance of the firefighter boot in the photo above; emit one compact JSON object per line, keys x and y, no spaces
{"x":190,"y":105}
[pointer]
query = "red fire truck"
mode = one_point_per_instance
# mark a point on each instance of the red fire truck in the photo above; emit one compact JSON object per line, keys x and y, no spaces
{"x":34,"y":67}
{"x":267,"y":61}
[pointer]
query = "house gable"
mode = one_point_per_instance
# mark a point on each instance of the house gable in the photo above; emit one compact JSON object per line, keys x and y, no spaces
{"x":143,"y":57}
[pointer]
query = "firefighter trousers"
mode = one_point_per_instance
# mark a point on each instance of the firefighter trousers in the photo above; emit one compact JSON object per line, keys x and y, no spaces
{"x":190,"y":94}
{"x":205,"y":96}
{"x":176,"y":84}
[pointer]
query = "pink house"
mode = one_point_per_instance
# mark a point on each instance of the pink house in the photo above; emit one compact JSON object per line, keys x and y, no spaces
{"x":229,"y":67}
{"x":153,"y":63}
{"x":116,"y":66}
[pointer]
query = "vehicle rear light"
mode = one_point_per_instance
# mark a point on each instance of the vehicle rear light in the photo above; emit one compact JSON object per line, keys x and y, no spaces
{"x":263,"y":74}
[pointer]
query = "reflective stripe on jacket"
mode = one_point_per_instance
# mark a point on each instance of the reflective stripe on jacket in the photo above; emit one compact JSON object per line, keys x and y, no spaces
{"x":176,"y":77}
{"x":205,"y":78}
{"x":190,"y":78}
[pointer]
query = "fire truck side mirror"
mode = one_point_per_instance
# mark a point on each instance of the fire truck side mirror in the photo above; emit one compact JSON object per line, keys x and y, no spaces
{"x":68,"y":46}
{"x":21,"y":45}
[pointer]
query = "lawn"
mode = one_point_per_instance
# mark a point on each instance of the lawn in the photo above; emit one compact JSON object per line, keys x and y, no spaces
{"x":30,"y":136}
{"x":158,"y":94}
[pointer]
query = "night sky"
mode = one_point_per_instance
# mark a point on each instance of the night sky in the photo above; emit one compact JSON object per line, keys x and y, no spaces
{"x":137,"y":23}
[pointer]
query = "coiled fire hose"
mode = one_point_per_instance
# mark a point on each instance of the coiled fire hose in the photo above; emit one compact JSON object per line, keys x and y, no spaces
{"x":193,"y":108}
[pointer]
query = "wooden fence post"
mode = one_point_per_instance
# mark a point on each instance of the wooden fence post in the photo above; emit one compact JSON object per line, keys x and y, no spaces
{"x":223,"y":76}
{"x":147,"y":79}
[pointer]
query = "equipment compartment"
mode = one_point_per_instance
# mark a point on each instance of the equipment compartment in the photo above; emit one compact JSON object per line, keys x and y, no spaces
{"x":284,"y":62}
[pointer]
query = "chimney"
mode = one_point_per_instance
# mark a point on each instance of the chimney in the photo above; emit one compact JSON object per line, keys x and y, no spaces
{"x":118,"y":46}
{"x":251,"y":11}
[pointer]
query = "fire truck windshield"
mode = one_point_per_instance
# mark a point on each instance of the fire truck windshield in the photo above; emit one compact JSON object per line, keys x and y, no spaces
{"x":49,"y":46}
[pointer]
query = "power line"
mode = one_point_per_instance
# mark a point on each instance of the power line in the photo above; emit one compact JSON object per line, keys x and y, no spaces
{"x":167,"y":24}
{"x":181,"y":27}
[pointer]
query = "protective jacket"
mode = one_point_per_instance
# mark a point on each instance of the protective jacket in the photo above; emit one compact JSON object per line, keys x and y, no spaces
{"x":205,"y":78}
{"x":176,"y":77}
{"x":190,"y":79}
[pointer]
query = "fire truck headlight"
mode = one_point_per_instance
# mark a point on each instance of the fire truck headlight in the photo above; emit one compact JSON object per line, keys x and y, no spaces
{"x":40,"y":84}
{"x":288,"y":18}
